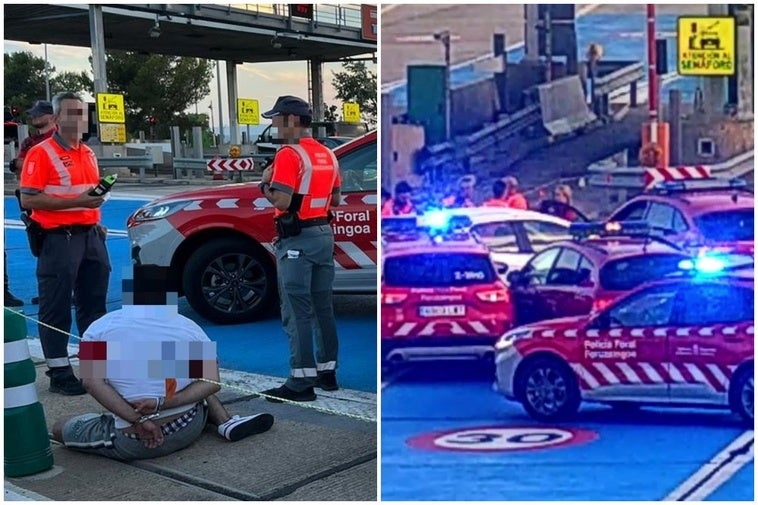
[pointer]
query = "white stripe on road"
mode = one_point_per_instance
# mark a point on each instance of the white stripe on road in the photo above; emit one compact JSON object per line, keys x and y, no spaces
{"x":717,"y":471}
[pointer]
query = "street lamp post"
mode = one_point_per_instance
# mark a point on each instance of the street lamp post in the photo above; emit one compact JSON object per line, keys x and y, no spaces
{"x":444,"y":38}
{"x":47,"y":77}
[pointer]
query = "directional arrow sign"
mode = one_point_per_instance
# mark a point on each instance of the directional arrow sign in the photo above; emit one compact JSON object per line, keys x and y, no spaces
{"x":238,"y":164}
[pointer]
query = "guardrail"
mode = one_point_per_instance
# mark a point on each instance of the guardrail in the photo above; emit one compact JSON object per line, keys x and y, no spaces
{"x":627,"y":74}
{"x":139,"y":162}
{"x":632,"y":178}
{"x":482,"y":141}
{"x":344,"y":16}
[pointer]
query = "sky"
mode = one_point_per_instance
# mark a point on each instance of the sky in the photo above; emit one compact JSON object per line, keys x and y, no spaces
{"x":261,"y":81}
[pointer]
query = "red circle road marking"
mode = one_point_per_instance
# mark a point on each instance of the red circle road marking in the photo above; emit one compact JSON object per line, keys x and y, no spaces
{"x":502,"y":439}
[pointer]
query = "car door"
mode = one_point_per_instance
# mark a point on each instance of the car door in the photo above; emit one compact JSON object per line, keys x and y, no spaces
{"x":541,"y":234}
{"x":710,"y":341}
{"x":355,"y":220}
{"x":625,"y":348}
{"x":632,"y":211}
{"x":666,"y":221}
{"x":506,"y":246}
{"x":527,"y":294}
{"x":568,"y":289}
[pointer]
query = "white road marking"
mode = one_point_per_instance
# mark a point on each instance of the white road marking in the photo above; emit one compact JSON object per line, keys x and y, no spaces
{"x":717,"y":471}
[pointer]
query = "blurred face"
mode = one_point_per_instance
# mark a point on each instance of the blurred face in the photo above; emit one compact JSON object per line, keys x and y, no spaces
{"x":403,"y":197}
{"x":285,"y":129}
{"x":72,"y":119}
{"x":560,"y":196}
{"x":510,"y":189}
{"x":42,"y":121}
{"x":467,"y":190}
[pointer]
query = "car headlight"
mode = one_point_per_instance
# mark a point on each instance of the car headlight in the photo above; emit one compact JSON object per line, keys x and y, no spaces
{"x":510,"y":338}
{"x":152,"y":212}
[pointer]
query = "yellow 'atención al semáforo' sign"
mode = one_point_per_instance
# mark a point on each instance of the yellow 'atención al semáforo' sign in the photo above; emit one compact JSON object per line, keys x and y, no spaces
{"x":706,"y":46}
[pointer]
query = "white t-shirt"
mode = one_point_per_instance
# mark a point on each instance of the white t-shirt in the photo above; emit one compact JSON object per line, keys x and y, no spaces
{"x":145,"y":323}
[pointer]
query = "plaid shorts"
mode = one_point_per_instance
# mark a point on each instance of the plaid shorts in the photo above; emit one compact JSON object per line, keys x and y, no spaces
{"x":97,"y":434}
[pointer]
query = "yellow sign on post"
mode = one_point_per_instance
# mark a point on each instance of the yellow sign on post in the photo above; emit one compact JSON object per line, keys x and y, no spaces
{"x":110,"y":108}
{"x":706,"y":46}
{"x":351,"y":113}
{"x":113,"y":133}
{"x":247,"y":111}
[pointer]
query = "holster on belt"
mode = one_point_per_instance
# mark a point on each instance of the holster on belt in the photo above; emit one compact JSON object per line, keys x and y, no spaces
{"x":288,"y":225}
{"x":34,"y":232}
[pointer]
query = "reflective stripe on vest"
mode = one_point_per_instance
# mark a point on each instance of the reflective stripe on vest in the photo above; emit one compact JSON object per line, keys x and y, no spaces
{"x":20,"y":396}
{"x":74,"y":190}
{"x":63,"y":172}
{"x":305,"y":182}
{"x":16,"y":351}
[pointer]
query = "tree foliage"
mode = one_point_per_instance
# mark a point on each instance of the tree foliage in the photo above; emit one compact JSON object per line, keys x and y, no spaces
{"x":356,"y":83}
{"x":158,"y":86}
{"x":71,"y":81}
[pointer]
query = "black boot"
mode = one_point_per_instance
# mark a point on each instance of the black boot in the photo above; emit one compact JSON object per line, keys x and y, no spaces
{"x":12,"y":301}
{"x":64,"y":382}
{"x":286,"y":393}
{"x":327,"y":380}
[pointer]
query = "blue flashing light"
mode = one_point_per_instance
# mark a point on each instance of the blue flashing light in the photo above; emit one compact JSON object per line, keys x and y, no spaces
{"x":703,"y":265}
{"x":438,"y":239}
{"x":437,"y":219}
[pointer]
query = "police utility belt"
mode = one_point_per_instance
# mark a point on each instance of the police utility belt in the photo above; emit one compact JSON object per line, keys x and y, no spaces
{"x":36,"y":233}
{"x":290,"y":225}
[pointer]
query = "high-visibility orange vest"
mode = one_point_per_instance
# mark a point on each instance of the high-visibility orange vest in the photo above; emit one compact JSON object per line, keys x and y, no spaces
{"x":517,"y":201}
{"x":495,"y":202}
{"x":389,"y":209}
{"x":61,"y":171}
{"x":309,"y":169}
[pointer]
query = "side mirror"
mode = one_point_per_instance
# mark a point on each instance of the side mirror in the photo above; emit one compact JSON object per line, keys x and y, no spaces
{"x":502,"y":268}
{"x":515,"y":278}
{"x":586,"y":283}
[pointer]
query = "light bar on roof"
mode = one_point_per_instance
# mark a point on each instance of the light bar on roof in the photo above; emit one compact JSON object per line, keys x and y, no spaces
{"x":699,"y":184}
{"x":609,"y":229}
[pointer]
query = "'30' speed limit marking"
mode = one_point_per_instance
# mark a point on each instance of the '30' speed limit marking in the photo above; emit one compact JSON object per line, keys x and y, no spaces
{"x":502,"y":439}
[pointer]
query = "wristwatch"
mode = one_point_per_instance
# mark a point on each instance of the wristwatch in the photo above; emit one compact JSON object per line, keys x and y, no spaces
{"x":146,"y":417}
{"x":262,"y":186}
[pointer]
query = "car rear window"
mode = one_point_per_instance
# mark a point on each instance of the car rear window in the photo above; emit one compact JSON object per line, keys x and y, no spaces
{"x":727,"y":226}
{"x":438,"y":270}
{"x":628,"y":273}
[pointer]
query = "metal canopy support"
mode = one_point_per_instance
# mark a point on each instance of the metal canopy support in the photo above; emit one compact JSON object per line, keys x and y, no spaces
{"x":714,"y":87}
{"x":97,"y":40}
{"x":231,"y":92}
{"x":317,"y":93}
{"x":531,"y":32}
{"x":220,"y":106}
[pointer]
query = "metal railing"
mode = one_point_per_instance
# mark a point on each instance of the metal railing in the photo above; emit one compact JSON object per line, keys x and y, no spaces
{"x":625,"y":74}
{"x":632,"y":178}
{"x":340,"y":15}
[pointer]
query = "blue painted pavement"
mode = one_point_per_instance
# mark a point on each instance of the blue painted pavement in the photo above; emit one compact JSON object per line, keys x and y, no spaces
{"x":259,"y":347}
{"x":642,"y":456}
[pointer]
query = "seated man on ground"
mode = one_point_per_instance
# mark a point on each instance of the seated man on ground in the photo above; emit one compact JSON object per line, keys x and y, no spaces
{"x":156,"y":373}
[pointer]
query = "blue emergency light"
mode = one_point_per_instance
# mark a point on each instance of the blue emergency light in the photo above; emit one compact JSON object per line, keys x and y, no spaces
{"x":609,"y":229}
{"x":710,"y":184}
{"x":703,"y":264}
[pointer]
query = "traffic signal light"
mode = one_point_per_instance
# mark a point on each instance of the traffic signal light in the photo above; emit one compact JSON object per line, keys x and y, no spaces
{"x":153,"y":120}
{"x":15,"y":110}
{"x":302,"y":10}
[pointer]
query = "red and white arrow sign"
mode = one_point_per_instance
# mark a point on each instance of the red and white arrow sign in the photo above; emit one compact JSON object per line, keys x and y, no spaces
{"x":230,"y":164}
{"x":655,"y":175}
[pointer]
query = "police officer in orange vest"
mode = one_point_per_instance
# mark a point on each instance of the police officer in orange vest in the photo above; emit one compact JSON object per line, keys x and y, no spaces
{"x":302,"y":185}
{"x":56,"y":178}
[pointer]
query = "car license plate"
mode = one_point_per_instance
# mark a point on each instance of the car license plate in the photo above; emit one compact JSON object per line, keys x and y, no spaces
{"x":443,"y":310}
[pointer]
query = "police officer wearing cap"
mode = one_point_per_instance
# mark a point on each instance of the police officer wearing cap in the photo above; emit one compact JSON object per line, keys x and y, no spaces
{"x":303,"y":184}
{"x":56,"y":180}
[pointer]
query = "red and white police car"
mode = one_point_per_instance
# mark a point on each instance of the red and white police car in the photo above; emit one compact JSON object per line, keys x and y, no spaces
{"x":442,"y":297}
{"x":701,"y":214}
{"x":682,"y":341}
{"x":218,"y":241}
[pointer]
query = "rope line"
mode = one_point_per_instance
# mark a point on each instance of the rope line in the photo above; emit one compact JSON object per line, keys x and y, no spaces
{"x":305,"y":405}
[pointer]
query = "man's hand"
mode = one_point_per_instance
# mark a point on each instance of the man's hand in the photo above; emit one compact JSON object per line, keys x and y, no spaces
{"x":267,"y":174}
{"x":150,"y":434}
{"x":144,"y":405}
{"x":90,"y":202}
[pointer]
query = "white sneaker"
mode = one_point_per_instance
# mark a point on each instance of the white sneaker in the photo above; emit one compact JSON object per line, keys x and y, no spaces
{"x":238,"y":427}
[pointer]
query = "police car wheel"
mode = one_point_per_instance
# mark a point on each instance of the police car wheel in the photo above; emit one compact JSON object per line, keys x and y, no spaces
{"x":228,"y":282}
{"x":548,"y":389}
{"x":741,"y":395}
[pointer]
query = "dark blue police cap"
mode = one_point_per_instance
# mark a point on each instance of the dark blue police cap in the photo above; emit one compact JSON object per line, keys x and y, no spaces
{"x":288,"y":104}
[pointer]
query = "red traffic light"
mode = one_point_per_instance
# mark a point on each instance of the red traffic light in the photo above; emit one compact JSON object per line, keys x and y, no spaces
{"x":152,"y":120}
{"x":302,"y":10}
{"x":15,"y":110}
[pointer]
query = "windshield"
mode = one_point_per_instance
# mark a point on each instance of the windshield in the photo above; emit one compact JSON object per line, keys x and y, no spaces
{"x":438,"y":270}
{"x":727,"y":226}
{"x":628,"y":273}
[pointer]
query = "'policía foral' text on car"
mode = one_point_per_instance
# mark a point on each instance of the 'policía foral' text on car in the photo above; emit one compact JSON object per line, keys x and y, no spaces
{"x":217,"y":241}
{"x":686,"y":340}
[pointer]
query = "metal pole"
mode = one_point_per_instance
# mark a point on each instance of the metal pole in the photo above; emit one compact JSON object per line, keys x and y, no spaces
{"x":220,"y":106}
{"x":548,"y":46}
{"x":448,"y":92}
{"x":652,"y":78}
{"x":47,"y":77}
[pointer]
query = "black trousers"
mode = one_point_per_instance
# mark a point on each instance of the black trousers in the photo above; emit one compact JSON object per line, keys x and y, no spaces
{"x":78,"y":263}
